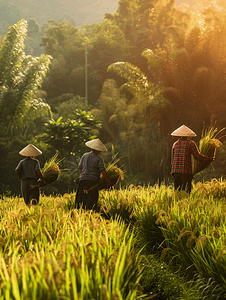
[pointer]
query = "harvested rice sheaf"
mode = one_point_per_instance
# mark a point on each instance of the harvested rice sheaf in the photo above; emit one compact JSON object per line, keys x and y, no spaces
{"x":114,"y":174}
{"x":50,"y":171}
{"x":52,"y":174}
{"x":207,"y":146}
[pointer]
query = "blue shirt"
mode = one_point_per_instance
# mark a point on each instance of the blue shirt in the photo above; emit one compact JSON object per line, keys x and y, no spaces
{"x":91,"y":165}
{"x":27,"y":168}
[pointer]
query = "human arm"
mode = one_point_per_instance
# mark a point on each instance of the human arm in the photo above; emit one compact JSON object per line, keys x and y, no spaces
{"x":172,"y":154}
{"x":19,"y":170}
{"x":38,"y":172}
{"x":198,"y":156}
{"x":18,"y":173}
{"x":104,"y":173}
{"x":102,"y":169}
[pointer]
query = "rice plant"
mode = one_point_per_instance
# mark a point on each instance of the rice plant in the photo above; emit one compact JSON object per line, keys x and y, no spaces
{"x":160,"y":282}
{"x":50,"y":171}
{"x":173,"y":225}
{"x":207,"y":146}
{"x":49,"y":253}
{"x":114,"y":174}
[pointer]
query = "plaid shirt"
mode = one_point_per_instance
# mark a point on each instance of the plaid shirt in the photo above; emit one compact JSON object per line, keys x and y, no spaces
{"x":182,"y":152}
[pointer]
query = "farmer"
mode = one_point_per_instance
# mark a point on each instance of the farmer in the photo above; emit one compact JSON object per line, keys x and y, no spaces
{"x":182,"y":152}
{"x":28,"y":171}
{"x":90,"y":167}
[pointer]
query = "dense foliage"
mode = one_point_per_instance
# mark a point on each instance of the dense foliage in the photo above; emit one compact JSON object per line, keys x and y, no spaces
{"x":138,"y":74}
{"x":26,"y":117}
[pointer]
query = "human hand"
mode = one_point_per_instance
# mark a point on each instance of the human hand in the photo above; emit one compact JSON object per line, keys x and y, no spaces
{"x":211,"y":158}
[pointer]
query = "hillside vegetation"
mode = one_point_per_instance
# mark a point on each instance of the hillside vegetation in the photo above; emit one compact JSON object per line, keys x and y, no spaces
{"x":83,"y":12}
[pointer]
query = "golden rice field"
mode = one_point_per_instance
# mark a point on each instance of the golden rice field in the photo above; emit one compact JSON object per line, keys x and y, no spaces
{"x":126,"y":251}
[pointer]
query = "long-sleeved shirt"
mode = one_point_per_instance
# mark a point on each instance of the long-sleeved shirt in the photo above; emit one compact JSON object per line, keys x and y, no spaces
{"x":28,"y":167}
{"x":182,"y":152}
{"x":91,"y":165}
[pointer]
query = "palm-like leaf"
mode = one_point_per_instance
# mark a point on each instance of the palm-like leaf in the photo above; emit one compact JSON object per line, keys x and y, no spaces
{"x":148,"y":96}
{"x":11,"y":53}
{"x":135,"y":77}
{"x":20,"y":78}
{"x":154,"y":64}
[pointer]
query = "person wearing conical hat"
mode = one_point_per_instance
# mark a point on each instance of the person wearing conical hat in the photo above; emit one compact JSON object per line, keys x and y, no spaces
{"x":28,"y":171}
{"x":182,"y":151}
{"x":91,"y":166}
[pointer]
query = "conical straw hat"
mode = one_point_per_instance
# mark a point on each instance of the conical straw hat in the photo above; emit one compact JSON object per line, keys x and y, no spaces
{"x":183,"y":131}
{"x":30,"y":150}
{"x":96,"y":144}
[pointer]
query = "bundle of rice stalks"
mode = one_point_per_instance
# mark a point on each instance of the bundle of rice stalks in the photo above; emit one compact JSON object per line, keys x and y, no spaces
{"x":114,"y":174}
{"x":207,"y":146}
{"x":50,"y":171}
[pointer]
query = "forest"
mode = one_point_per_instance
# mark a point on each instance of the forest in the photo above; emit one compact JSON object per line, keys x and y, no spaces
{"x":130,"y":79}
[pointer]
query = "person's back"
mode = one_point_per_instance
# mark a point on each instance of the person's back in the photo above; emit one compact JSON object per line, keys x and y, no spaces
{"x":28,"y":171}
{"x":28,"y":167}
{"x":91,"y":166}
{"x":182,"y":151}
